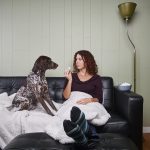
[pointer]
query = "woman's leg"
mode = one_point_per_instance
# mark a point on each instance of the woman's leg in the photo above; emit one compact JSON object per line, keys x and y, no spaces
{"x":79,"y":129}
{"x":78,"y":117}
{"x":74,"y":131}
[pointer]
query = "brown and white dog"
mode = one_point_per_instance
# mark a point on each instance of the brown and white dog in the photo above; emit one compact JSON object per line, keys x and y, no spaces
{"x":36,"y":88}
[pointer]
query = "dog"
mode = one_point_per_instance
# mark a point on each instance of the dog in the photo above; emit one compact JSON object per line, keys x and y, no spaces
{"x":36,"y":88}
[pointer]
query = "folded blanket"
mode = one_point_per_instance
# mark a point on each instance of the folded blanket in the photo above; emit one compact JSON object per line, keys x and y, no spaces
{"x":38,"y":120}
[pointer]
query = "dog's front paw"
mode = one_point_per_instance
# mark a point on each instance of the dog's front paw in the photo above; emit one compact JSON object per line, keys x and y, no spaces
{"x":50,"y":113}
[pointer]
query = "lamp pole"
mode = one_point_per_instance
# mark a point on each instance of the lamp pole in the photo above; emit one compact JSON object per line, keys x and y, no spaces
{"x":134,"y":55}
{"x":126,"y":11}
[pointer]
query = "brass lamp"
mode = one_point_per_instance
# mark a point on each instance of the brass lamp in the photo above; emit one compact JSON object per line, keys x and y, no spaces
{"x":126,"y":11}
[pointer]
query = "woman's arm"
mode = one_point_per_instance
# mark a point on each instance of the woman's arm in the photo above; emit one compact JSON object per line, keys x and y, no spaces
{"x":67,"y":90}
{"x":87,"y":100}
{"x":99,"y":90}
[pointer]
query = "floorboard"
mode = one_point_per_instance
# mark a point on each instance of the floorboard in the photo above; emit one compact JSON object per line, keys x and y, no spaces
{"x":146,"y":141}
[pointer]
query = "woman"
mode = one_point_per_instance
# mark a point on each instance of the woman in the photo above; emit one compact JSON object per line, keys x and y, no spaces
{"x":84,"y":79}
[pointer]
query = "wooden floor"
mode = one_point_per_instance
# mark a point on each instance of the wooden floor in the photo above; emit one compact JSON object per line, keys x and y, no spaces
{"x":146,"y":141}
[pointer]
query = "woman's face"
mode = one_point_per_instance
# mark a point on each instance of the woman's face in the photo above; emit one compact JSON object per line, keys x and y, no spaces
{"x":79,"y":62}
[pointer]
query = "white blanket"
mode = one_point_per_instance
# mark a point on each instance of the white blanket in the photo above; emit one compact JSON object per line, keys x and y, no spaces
{"x":15,"y":123}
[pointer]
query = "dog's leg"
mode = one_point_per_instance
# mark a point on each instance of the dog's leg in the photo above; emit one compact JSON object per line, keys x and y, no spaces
{"x":40,"y":97}
{"x":45,"y":106}
{"x":49,"y":101}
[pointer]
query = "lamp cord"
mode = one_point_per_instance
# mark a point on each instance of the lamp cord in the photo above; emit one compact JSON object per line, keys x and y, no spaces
{"x":129,"y":36}
{"x":134,"y":54}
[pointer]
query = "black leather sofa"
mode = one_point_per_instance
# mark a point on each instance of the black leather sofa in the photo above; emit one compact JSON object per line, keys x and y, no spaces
{"x":125,"y":108}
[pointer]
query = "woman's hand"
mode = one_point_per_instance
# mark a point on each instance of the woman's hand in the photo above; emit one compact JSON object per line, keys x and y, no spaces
{"x":68,"y":75}
{"x":87,"y":100}
{"x":67,"y":90}
{"x":84,"y":101}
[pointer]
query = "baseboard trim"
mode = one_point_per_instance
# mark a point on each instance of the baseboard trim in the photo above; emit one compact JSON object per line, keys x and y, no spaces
{"x":146,"y":129}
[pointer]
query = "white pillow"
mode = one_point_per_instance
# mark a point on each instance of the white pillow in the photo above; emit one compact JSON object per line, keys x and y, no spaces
{"x":4,"y":100}
{"x":4,"y":96}
{"x":11,"y":97}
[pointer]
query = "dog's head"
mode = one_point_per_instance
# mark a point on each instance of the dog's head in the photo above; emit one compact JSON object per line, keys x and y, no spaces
{"x":43,"y":63}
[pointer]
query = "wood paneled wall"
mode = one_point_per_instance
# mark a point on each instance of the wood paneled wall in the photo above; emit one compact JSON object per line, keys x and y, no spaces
{"x":58,"y":28}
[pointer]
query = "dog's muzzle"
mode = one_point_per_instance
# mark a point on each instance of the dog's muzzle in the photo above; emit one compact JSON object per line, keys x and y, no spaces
{"x":54,"y":65}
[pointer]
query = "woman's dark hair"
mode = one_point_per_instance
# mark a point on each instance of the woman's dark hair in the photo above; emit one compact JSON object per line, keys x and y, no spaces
{"x":89,"y":62}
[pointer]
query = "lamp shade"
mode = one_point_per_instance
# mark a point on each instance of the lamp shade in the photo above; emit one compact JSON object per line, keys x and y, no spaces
{"x":127,"y":9}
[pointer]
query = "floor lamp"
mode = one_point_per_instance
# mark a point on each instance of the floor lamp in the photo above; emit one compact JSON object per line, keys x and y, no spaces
{"x":126,"y":11}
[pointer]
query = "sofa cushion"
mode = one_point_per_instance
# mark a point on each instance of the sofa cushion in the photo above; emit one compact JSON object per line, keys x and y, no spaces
{"x":56,"y":86}
{"x":116,"y":124}
{"x":11,"y":84}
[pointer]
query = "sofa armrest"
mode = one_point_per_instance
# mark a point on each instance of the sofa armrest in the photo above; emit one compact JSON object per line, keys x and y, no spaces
{"x":130,"y":106}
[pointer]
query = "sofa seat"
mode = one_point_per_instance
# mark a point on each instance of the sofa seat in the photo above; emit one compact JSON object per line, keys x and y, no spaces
{"x":116,"y":124}
{"x":41,"y":141}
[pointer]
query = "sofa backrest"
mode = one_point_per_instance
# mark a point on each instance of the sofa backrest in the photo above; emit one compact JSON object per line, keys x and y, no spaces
{"x":56,"y":85}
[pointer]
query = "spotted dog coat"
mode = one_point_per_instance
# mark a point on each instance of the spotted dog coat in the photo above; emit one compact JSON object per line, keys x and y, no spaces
{"x":36,"y":88}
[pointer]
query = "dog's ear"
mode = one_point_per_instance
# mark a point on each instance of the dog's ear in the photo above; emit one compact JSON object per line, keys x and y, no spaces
{"x":36,"y":66}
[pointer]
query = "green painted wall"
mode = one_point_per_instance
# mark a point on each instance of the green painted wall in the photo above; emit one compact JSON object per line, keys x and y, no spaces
{"x":58,"y":28}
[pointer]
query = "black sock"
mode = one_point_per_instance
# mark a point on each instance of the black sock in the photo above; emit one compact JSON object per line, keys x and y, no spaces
{"x":74,"y":131}
{"x":78,"y":117}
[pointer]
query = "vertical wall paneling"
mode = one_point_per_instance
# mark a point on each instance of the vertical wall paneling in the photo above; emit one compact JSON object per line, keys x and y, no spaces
{"x":96,"y":32}
{"x":1,"y":29}
{"x":67,"y":34}
{"x":20,"y":41}
{"x":57,"y":34}
{"x":50,"y":26}
{"x":60,"y":28}
{"x":6,"y":37}
{"x":77,"y":25}
{"x":36,"y":29}
{"x":45,"y":27}
{"x":86,"y":24}
{"x":110,"y":35}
